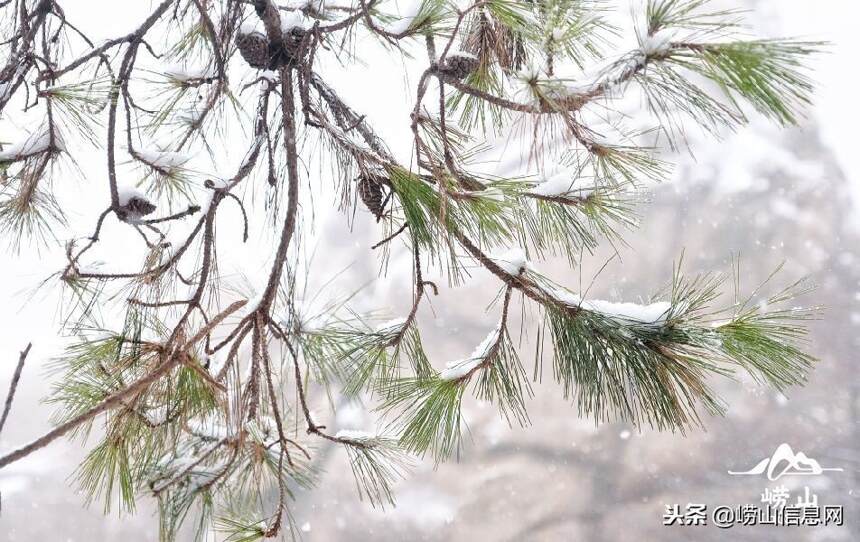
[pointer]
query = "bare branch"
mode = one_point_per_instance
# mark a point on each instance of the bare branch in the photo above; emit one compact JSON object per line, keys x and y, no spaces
{"x":13,"y":385}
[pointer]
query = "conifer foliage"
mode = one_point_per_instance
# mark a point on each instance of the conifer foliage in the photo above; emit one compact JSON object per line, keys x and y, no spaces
{"x":203,"y":400}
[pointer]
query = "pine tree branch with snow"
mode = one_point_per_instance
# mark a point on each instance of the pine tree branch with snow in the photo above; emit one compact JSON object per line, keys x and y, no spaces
{"x":204,"y":398}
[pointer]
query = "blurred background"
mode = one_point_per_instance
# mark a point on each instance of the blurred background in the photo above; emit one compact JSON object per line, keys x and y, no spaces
{"x":767,"y":195}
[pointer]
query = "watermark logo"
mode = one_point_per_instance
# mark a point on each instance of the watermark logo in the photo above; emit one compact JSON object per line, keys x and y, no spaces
{"x":777,"y":505}
{"x":784,"y":462}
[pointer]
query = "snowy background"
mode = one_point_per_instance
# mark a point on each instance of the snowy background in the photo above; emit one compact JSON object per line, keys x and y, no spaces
{"x":769,"y":195}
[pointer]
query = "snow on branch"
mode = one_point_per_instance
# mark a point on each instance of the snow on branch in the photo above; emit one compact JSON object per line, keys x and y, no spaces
{"x":659,"y":43}
{"x":455,"y":370}
{"x":407,"y":14}
{"x":166,"y":160}
{"x":652,"y":313}
{"x":293,"y":19}
{"x":622,"y":312}
{"x":190,"y":74}
{"x":513,"y":262}
{"x":35,"y":143}
{"x":356,"y":434}
{"x":391,"y":326}
{"x":127,"y":193}
{"x":561,"y":184}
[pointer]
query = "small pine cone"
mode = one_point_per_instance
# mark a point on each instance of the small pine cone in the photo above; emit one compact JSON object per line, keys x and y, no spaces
{"x":370,"y":192}
{"x":293,"y":40}
{"x":139,"y":206}
{"x":134,"y":208}
{"x":459,"y":65}
{"x":254,"y":48}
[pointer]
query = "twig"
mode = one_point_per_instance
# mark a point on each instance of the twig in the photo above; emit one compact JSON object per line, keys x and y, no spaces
{"x":14,"y":385}
{"x":390,"y":237}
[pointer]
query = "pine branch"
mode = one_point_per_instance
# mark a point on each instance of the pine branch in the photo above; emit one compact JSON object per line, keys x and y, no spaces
{"x":196,"y":407}
{"x":650,"y":364}
{"x":377,"y":463}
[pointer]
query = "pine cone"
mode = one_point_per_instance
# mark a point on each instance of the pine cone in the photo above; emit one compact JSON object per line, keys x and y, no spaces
{"x":288,"y":51}
{"x":293,"y":40}
{"x":136,"y":207}
{"x":459,"y":65}
{"x":254,"y":48}
{"x":370,"y":191}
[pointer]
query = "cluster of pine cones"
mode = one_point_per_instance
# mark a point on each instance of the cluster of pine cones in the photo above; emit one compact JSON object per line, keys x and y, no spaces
{"x":259,"y":53}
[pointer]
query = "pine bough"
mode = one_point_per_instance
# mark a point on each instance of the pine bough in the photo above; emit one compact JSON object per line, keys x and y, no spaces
{"x":209,"y":409}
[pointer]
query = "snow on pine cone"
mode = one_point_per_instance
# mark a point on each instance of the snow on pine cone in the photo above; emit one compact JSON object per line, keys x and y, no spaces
{"x":254,"y":48}
{"x":460,"y":65}
{"x":370,"y":192}
{"x":133,"y":204}
{"x":135,"y":207}
{"x":140,"y":206}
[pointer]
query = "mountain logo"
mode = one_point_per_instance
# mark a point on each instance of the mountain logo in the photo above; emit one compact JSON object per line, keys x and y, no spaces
{"x":784,"y":462}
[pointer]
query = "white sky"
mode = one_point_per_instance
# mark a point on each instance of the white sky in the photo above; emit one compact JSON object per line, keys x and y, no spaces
{"x":837,"y":107}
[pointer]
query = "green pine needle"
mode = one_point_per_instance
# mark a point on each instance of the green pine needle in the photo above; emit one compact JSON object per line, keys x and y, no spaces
{"x":429,"y":416}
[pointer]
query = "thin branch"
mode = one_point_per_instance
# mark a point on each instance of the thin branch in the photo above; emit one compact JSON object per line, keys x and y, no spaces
{"x":116,"y":399}
{"x":13,"y":386}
